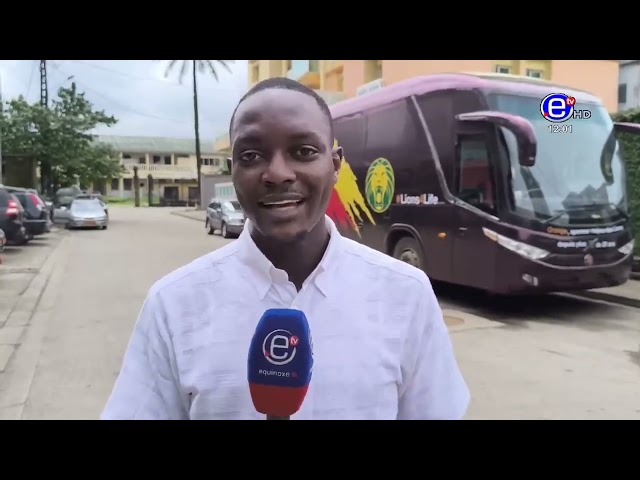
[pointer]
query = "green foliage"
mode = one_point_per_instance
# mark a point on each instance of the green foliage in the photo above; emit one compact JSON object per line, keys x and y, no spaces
{"x":630,"y":145}
{"x":58,"y":138}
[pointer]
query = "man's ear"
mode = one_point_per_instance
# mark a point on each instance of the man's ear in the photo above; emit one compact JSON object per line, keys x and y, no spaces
{"x":337,"y":160}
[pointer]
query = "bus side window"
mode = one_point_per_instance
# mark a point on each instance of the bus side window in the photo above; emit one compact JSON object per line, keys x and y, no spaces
{"x":474,"y":178}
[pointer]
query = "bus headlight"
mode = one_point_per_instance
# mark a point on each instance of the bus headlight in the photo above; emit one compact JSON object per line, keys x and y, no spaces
{"x":627,"y":248}
{"x":522,"y":249}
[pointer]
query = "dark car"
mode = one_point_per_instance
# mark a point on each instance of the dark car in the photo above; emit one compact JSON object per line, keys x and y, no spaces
{"x":37,"y":218}
{"x":11,"y":214}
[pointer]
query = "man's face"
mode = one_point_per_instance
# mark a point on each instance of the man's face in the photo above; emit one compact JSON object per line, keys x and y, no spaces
{"x":284,"y":168}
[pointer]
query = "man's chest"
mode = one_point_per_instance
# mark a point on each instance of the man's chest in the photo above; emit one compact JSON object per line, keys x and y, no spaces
{"x":357,"y":360}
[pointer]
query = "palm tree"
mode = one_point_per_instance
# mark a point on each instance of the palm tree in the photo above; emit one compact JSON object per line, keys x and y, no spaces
{"x":197,"y":66}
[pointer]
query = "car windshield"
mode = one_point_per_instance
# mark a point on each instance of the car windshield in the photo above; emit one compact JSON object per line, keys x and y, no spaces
{"x":86,"y":206}
{"x":231,"y":206}
{"x":567,"y":183}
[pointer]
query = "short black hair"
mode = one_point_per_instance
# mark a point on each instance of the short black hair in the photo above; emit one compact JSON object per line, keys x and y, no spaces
{"x":286,"y":84}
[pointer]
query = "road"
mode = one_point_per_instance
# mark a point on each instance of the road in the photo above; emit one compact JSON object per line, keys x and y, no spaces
{"x":564,"y":358}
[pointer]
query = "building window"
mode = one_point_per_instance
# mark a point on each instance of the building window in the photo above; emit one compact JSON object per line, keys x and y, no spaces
{"x":622,"y":93}
{"x":503,"y":69}
{"x":534,"y":73}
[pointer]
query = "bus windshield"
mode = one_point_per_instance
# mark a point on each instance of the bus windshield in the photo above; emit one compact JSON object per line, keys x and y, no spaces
{"x":568,"y":183}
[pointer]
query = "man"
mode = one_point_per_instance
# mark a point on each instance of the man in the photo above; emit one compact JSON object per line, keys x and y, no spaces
{"x":381,"y":347}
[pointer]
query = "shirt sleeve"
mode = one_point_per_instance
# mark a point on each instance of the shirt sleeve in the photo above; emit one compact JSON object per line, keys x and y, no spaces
{"x":147,"y":387}
{"x":433,"y":386}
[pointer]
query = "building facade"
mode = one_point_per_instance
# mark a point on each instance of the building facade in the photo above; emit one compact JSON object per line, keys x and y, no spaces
{"x":599,"y":77}
{"x":171,"y":163}
{"x":629,"y":85}
{"x":336,"y":80}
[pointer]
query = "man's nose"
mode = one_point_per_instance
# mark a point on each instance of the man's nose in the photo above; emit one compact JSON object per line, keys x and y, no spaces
{"x":279,"y":170}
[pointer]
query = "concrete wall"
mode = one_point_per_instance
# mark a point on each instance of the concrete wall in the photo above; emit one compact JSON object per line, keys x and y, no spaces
{"x":207,"y":184}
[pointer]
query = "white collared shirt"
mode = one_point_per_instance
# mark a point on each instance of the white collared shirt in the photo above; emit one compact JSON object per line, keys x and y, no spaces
{"x":381,"y":347}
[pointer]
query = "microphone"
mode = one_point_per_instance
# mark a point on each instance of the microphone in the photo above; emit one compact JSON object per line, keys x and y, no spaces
{"x":280,"y":363}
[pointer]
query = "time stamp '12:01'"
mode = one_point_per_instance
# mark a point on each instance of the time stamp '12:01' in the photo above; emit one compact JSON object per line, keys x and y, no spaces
{"x":560,"y":128}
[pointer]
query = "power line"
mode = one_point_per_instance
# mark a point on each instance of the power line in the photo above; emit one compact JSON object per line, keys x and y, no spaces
{"x":121,"y":106}
{"x":156,"y":80}
{"x":33,"y":69}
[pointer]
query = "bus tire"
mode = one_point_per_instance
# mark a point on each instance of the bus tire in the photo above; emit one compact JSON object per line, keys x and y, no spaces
{"x":408,"y":250}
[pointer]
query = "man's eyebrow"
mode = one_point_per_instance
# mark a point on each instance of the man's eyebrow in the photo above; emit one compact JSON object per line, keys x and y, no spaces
{"x":250,"y":137}
{"x":305,"y":135}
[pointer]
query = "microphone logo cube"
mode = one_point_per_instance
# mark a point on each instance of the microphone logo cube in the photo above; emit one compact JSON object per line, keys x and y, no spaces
{"x":279,"y":347}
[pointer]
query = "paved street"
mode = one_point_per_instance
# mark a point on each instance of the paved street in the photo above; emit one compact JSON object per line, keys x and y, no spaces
{"x":564,"y":358}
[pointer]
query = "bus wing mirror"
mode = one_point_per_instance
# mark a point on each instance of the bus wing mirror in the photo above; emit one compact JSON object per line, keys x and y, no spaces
{"x":624,"y":127}
{"x":519,"y":126}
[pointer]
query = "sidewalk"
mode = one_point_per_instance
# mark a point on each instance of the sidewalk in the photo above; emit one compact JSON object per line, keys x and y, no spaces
{"x":626,"y":294}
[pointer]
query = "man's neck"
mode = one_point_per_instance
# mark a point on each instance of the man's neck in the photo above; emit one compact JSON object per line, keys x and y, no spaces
{"x":300,"y":258}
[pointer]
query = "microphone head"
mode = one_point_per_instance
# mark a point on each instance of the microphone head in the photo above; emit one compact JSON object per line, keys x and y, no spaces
{"x":280,"y":362}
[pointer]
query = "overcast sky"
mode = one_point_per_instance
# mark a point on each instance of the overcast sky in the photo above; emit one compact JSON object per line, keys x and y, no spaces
{"x":137,"y":93}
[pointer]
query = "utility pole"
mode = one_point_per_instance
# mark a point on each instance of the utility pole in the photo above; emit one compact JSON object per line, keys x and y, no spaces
{"x":44,"y":101}
{"x":44,"y":89}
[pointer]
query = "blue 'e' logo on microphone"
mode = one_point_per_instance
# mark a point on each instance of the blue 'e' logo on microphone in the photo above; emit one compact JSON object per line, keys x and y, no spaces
{"x":557,"y":107}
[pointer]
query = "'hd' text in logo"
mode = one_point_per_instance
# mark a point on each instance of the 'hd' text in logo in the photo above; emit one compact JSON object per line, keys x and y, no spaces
{"x":279,"y":347}
{"x":560,"y":107}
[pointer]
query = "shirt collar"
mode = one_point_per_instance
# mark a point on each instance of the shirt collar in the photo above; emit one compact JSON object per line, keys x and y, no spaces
{"x":265,"y":273}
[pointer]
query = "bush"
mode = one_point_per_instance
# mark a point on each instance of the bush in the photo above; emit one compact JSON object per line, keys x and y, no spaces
{"x":630,"y":145}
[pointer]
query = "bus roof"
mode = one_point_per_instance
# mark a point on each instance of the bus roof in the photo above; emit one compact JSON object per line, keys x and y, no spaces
{"x":497,"y":82}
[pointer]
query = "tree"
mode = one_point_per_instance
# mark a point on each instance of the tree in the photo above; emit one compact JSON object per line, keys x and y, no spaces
{"x":58,"y":139}
{"x":197,"y":66}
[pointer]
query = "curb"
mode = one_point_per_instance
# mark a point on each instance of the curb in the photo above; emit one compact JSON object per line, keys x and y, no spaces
{"x":608,"y":297}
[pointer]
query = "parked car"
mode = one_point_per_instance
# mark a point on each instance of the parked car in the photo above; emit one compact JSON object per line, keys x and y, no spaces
{"x":224,"y":215}
{"x":11,"y":215}
{"x":64,"y":196}
{"x":3,"y":240}
{"x":37,"y":218}
{"x":48,"y":203}
{"x":87,"y":212}
{"x":96,"y":195}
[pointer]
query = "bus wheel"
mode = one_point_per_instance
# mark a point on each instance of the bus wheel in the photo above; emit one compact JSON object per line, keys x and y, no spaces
{"x":408,"y":250}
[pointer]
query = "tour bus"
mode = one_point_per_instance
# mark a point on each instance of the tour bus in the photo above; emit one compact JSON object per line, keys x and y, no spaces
{"x":504,"y":183}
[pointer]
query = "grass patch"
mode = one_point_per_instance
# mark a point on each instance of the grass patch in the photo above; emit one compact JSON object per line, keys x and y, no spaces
{"x":126,"y":202}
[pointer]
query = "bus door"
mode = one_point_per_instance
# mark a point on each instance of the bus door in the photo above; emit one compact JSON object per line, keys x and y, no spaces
{"x":475,"y":184}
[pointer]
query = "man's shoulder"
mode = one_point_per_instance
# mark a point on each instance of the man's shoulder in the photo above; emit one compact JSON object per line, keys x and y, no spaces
{"x":207,"y":268}
{"x":391,"y":269}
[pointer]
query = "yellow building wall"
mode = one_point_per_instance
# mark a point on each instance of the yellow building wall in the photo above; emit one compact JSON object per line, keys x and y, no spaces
{"x":599,"y":77}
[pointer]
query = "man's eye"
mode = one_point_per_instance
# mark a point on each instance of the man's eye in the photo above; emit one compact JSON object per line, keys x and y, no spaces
{"x":306,"y":151}
{"x":249,"y":156}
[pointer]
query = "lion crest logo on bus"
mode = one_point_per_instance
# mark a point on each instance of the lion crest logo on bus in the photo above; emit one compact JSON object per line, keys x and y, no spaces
{"x":380,"y":185}
{"x":347,"y":206}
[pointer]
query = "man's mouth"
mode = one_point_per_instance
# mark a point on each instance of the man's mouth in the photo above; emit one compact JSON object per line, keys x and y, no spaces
{"x":282,"y":202}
